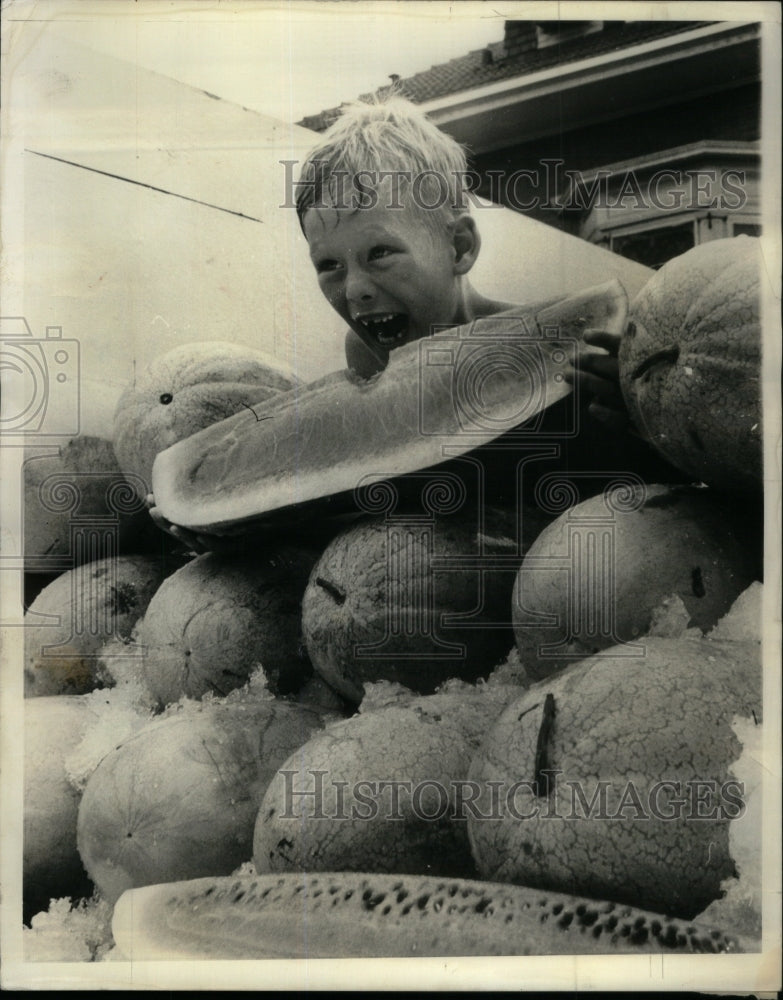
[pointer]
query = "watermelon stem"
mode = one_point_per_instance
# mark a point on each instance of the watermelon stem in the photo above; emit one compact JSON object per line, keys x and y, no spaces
{"x":331,"y":588}
{"x":668,"y":356}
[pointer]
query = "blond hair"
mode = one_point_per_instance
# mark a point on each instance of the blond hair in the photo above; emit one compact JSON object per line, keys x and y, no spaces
{"x":390,"y":140}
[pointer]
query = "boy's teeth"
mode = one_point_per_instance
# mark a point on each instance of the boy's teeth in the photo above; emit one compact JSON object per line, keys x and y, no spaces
{"x":386,"y":328}
{"x":368,"y":320}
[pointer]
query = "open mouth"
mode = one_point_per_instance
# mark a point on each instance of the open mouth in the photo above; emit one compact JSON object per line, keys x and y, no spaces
{"x":388,"y":329}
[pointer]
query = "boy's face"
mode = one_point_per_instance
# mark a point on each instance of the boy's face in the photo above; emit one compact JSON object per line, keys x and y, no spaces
{"x":389,"y":274}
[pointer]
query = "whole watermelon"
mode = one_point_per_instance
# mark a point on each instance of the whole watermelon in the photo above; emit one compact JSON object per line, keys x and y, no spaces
{"x":595,"y":576}
{"x":72,"y":618}
{"x":413,"y":603}
{"x":616,"y":779}
{"x":179,"y":798}
{"x":187,"y":389}
{"x":79,"y":487}
{"x":690,"y":363}
{"x":219,"y":618}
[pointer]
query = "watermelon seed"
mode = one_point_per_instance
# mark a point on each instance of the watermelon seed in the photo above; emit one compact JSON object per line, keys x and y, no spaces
{"x":697,"y":584}
{"x":371,"y":899}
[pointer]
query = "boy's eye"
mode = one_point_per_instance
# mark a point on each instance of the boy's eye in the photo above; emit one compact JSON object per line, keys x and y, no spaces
{"x":378,"y":252}
{"x":323,"y":266}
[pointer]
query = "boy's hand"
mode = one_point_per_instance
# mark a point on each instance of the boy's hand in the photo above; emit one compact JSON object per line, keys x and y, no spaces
{"x":598,"y":375}
{"x":190,"y":539}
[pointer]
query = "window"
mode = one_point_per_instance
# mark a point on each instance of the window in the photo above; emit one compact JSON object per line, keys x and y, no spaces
{"x":654,"y":247}
{"x":685,"y":196}
{"x":558,"y":32}
{"x":745,"y":229}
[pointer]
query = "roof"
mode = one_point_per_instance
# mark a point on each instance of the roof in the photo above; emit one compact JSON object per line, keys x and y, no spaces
{"x":499,"y":61}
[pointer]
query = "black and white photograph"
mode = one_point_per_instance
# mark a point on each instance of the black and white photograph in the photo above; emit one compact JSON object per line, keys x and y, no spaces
{"x":390,"y":453}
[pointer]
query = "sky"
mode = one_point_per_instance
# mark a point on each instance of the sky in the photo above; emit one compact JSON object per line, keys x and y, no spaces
{"x":283,"y":59}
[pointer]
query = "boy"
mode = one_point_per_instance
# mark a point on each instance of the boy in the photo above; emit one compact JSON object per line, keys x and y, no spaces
{"x":383,"y":206}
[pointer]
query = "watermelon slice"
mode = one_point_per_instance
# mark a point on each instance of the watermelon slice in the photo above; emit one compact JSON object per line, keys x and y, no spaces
{"x":437,"y":399}
{"x":350,"y":915}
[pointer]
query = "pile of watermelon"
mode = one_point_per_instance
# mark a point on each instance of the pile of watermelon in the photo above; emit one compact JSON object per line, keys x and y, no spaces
{"x":402,"y":733}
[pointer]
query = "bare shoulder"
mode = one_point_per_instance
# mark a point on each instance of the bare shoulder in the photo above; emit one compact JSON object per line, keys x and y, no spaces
{"x":482,"y":307}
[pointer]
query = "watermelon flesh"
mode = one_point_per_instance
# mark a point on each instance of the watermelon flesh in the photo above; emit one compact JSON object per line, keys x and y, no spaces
{"x":438,"y":398}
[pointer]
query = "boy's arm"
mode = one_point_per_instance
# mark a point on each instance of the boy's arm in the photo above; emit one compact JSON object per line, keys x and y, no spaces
{"x":362,"y":359}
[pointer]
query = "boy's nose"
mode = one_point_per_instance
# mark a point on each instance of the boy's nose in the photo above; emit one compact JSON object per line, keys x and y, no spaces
{"x":358,"y":286}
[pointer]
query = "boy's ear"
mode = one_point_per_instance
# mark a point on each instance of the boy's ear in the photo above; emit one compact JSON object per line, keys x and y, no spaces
{"x":466,"y":241}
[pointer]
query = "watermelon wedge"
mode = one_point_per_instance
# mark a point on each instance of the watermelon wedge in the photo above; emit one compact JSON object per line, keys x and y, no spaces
{"x":437,"y":399}
{"x":351,"y":915}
